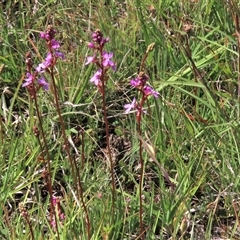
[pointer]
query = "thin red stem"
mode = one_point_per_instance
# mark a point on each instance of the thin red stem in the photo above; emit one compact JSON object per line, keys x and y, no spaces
{"x":139,"y":117}
{"x":72,"y":161}
{"x":49,"y":175}
{"x":108,"y":143}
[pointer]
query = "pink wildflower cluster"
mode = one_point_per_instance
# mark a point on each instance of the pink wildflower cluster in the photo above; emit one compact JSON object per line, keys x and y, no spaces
{"x":60,"y":215}
{"x":101,"y":58}
{"x":49,"y":62}
{"x":140,"y":83}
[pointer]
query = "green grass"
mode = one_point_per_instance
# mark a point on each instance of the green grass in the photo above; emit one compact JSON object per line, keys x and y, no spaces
{"x":191,"y":131}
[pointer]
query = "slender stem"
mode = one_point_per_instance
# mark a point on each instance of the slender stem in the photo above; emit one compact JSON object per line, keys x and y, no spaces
{"x":66,"y":146}
{"x":49,"y":174}
{"x":47,"y":152}
{"x":107,"y":127}
{"x":139,"y":117}
{"x":30,"y":227}
{"x":108,"y":144}
{"x":73,"y":162}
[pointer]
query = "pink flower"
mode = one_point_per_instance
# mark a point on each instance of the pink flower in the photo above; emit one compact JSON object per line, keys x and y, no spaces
{"x":90,"y":59}
{"x":49,"y":34}
{"x":147,"y":90}
{"x":44,"y":65}
{"x":55,"y":44}
{"x":44,"y":35}
{"x":53,"y":224}
{"x":139,"y":81}
{"x":96,"y":77}
{"x":62,"y":216}
{"x":48,"y":59}
{"x":107,"y":62}
{"x":41,"y":68}
{"x":59,"y":54}
{"x":97,"y":37}
{"x":136,"y":82}
{"x":91,"y":45}
{"x":28,"y":80}
{"x":54,"y":201}
{"x":130,"y":106}
{"x":42,"y":82}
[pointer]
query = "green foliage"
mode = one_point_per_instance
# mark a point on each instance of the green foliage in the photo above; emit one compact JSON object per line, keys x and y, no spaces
{"x":192,"y":129}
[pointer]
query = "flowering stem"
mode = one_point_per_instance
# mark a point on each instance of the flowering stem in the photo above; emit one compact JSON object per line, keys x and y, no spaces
{"x":48,"y":165}
{"x":140,"y":83}
{"x":103,"y":61}
{"x":141,"y":177}
{"x":102,"y":78}
{"x":26,"y":216}
{"x":72,"y":161}
{"x":108,"y":144}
